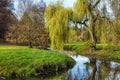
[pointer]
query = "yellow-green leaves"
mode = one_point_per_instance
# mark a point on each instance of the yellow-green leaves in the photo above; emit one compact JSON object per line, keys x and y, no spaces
{"x":79,"y":9}
{"x":51,"y":10}
{"x":57,"y":25}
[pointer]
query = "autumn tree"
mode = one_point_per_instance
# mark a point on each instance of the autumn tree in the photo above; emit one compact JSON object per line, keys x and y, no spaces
{"x":30,"y":28}
{"x":13,"y":31}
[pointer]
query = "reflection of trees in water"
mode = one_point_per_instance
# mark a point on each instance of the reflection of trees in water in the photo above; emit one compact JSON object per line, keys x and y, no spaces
{"x":107,"y":72}
{"x":95,"y":70}
{"x":94,"y":66}
{"x":88,"y":69}
{"x":81,"y":74}
{"x":78,"y":74}
{"x":68,"y":76}
{"x":104,"y":70}
{"x":99,"y":70}
{"x":114,"y":75}
{"x":116,"y":71}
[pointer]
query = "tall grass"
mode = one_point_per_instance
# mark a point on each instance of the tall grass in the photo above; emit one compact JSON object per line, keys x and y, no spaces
{"x":24,"y":61}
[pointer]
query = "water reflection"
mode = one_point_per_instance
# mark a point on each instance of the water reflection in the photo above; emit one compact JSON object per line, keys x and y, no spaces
{"x":86,"y":69}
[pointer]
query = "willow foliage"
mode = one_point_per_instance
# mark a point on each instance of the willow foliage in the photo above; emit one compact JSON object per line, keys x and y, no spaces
{"x":107,"y":33}
{"x":57,"y":25}
{"x":79,"y":9}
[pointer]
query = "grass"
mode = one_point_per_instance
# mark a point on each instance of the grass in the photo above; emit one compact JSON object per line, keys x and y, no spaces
{"x":12,"y":47}
{"x":23,"y":61}
{"x":104,"y":51}
{"x":75,"y":46}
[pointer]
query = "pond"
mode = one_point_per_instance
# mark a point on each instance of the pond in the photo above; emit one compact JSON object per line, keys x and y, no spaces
{"x":86,"y":69}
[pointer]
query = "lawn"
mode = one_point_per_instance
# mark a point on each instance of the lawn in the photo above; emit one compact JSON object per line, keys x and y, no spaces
{"x":104,"y":51}
{"x":19,"y":61}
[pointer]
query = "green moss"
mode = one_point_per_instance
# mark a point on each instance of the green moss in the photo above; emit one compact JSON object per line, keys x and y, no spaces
{"x":22,"y":61}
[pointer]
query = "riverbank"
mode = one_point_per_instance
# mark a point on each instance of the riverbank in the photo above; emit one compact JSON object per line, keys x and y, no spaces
{"x":106,"y":52}
{"x":23,"y":62}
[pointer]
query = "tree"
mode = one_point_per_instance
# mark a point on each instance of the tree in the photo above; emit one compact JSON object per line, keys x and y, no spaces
{"x":108,"y":27}
{"x":5,"y":14}
{"x":13,"y":31}
{"x":31,"y":27}
{"x":72,"y":35}
{"x":88,"y":14}
{"x":116,"y":22}
{"x":57,"y":22}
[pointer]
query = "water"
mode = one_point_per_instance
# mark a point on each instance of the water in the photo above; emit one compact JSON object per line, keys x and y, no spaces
{"x":86,"y":69}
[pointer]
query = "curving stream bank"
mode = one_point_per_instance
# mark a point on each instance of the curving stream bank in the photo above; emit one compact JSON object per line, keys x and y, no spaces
{"x":24,"y":63}
{"x":86,"y":69}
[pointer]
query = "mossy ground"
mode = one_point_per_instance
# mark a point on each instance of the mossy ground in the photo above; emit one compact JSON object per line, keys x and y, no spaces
{"x":19,"y":61}
{"x":104,"y":51}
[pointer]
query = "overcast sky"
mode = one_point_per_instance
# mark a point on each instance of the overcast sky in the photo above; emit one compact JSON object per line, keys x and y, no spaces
{"x":66,"y":3}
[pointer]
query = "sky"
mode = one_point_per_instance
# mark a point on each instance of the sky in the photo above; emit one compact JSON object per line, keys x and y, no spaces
{"x":66,"y":3}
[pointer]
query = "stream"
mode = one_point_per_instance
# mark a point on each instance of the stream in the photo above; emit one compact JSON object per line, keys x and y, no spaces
{"x":86,"y":69}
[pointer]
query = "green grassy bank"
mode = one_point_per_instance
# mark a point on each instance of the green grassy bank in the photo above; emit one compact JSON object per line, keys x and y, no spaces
{"x":23,"y":62}
{"x":104,"y":51}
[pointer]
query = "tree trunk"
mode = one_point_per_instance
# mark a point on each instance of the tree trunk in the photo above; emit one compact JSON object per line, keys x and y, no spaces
{"x":94,"y":38}
{"x":30,"y":45}
{"x":92,"y":31}
{"x":92,"y":76}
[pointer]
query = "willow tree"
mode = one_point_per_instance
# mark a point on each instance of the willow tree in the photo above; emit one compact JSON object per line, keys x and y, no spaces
{"x":109,"y":28}
{"x":116,"y":23}
{"x":57,"y":20}
{"x":84,"y":11}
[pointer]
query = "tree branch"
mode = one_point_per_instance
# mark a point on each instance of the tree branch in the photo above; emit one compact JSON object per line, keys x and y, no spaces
{"x":84,"y":22}
{"x":96,"y":4}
